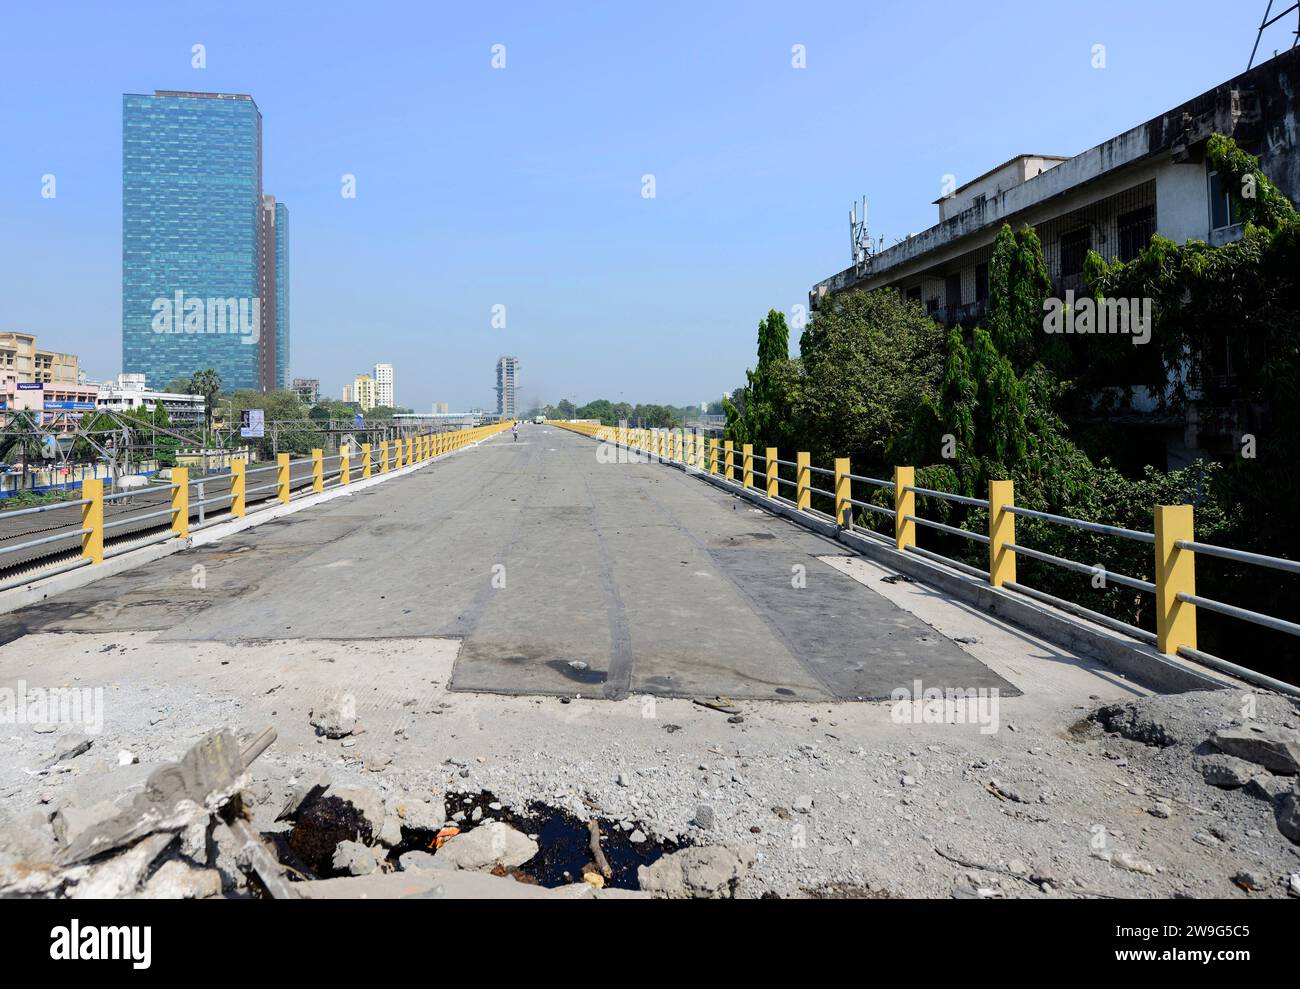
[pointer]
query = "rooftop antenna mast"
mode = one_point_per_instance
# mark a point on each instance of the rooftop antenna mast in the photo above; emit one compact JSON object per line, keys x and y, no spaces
{"x":1269,"y":20}
{"x":859,"y":236}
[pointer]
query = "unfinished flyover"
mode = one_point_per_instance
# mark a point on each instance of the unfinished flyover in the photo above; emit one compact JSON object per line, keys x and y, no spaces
{"x":550,"y":621}
{"x":579,"y":560}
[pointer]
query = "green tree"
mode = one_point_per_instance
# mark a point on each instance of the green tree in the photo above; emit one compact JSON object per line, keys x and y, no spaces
{"x":1018,"y":283}
{"x":208,"y":384}
{"x":764,"y":401}
{"x":868,"y":362}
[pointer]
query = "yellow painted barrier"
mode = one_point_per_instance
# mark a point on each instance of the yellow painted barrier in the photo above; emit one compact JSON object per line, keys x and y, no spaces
{"x":92,"y":519}
{"x":747,"y":465}
{"x":238,"y":489}
{"x":180,"y":502}
{"x":803,"y":481}
{"x":383,"y":456}
{"x":345,"y":469}
{"x":365,"y":461}
{"x":843,"y":492}
{"x":773,"y":487}
{"x":282,"y":478}
{"x":904,"y":505}
{"x":1002,"y":530}
{"x":713,"y":455}
{"x":318,"y":470}
{"x":729,"y":460}
{"x":1175,"y":574}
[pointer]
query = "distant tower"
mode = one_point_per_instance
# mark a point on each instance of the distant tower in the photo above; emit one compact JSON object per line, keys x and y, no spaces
{"x":384,"y":385}
{"x":507,"y":374}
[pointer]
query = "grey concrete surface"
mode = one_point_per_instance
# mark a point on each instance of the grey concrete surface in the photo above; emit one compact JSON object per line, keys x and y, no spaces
{"x":541,"y":559}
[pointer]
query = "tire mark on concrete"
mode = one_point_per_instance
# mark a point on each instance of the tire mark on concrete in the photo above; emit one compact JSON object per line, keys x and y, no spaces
{"x":618,"y":679}
{"x":760,"y":611}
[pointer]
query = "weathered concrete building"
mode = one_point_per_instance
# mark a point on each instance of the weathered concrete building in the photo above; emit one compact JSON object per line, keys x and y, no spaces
{"x":1152,"y":179}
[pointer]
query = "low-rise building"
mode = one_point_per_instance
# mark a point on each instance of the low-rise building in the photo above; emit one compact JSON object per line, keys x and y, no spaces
{"x":20,"y":357}
{"x":129,"y":392}
{"x":1152,"y":179}
{"x":46,"y":382}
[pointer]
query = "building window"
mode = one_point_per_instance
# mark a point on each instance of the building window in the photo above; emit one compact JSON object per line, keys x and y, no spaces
{"x":1224,"y":211}
{"x":981,"y":282}
{"x":1074,"y":248}
{"x":1136,"y":229}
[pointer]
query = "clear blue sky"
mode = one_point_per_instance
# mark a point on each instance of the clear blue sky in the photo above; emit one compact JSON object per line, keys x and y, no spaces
{"x":522,"y":186}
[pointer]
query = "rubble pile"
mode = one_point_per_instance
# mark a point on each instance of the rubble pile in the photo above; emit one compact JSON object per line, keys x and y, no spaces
{"x":189,"y":834}
{"x":1242,"y":744}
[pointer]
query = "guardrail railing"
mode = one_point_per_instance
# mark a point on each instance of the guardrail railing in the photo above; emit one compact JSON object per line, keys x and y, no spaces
{"x":401,"y":453}
{"x":1174,"y":546}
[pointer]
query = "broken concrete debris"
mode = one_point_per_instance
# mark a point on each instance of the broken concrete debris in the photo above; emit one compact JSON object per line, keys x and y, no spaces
{"x":187,"y":833}
{"x":707,"y":872}
{"x":1258,"y":755}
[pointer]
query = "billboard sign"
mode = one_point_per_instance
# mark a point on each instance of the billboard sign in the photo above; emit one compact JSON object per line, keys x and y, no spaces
{"x":252,"y":424}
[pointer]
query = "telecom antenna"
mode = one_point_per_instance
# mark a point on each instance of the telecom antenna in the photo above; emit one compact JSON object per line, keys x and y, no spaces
{"x":859,"y":237}
{"x":1269,"y":20}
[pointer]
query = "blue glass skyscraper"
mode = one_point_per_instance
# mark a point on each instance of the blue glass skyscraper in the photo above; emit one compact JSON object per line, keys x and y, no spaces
{"x":282,"y":295}
{"x":194,"y":260}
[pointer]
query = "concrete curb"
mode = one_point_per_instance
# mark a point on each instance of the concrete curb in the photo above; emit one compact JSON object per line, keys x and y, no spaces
{"x":43,"y":588}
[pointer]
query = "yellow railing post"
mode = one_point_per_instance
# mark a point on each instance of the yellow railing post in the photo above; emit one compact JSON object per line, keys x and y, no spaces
{"x":773,"y":488}
{"x":747,"y":465}
{"x":282,"y":478}
{"x":365,"y":461}
{"x":679,"y":441}
{"x":318,"y":470}
{"x":345,"y":469}
{"x":180,"y":502}
{"x":1002,"y":530}
{"x":383,"y":456}
{"x":803,"y":481}
{"x":904,"y":505}
{"x":729,"y":459}
{"x":690,"y":449}
{"x":410,"y":450}
{"x":713,"y":455}
{"x":238,"y":489}
{"x":843,"y":492}
{"x":1175,"y":574}
{"x":92,"y":518}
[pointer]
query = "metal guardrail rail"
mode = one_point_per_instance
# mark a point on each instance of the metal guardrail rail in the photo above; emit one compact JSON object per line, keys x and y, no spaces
{"x":92,"y":538}
{"x":1175,"y":549}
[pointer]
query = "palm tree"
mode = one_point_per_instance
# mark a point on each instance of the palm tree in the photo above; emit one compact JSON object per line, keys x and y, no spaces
{"x":208,"y":384}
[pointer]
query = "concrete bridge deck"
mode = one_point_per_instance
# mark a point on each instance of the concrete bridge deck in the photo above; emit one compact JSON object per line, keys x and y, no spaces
{"x":559,"y":574}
